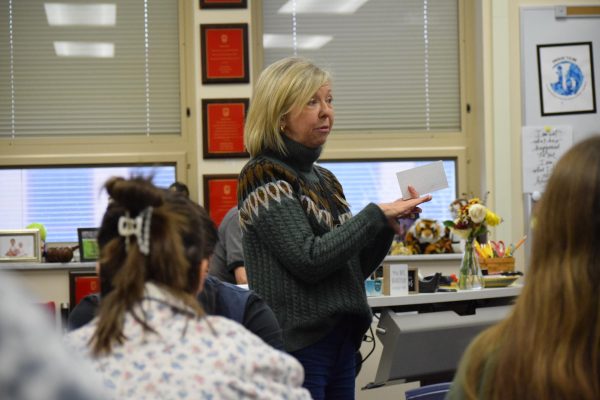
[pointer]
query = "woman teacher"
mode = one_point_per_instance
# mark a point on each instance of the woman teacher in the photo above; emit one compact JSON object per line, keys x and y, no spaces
{"x":305,"y":254}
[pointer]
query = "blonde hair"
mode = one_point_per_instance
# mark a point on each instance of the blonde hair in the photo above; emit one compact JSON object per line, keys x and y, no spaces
{"x":283,"y":86}
{"x":549,"y":347}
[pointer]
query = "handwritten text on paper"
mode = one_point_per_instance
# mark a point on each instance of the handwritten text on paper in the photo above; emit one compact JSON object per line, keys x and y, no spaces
{"x":542,"y":148}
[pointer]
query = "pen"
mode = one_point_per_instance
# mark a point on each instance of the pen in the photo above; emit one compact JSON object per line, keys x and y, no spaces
{"x":520,"y":243}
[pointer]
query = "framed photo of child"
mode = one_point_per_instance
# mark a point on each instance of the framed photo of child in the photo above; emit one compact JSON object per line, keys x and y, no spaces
{"x":22,"y":245}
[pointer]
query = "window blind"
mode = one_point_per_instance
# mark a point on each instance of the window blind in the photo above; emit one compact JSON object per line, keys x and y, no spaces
{"x":68,"y":69}
{"x":374,"y":181}
{"x":395,"y":63}
{"x":65,"y":198}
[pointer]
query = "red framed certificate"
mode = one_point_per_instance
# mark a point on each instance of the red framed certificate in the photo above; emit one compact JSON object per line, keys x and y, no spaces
{"x":82,"y":283}
{"x":223,"y":3}
{"x":220,"y":194}
{"x":224,"y":53}
{"x":223,"y":127}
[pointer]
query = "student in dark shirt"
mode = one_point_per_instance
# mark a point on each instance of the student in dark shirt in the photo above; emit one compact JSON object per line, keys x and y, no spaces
{"x":218,"y":298}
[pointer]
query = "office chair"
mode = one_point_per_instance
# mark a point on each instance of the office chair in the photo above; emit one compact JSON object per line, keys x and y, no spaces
{"x":436,"y":391}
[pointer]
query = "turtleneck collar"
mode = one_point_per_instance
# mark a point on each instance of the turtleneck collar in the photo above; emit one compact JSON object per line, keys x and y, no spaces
{"x":300,"y":156}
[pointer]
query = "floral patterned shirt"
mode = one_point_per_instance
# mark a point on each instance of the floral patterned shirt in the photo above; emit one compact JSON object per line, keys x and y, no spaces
{"x":209,"y":358}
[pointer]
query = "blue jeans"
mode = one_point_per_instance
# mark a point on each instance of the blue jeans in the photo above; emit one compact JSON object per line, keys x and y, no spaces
{"x":329,"y":365}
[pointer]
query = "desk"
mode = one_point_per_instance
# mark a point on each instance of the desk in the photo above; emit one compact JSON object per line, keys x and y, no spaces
{"x":46,"y":281}
{"x":33,"y":266}
{"x":430,"y":302}
{"x":424,"y":335}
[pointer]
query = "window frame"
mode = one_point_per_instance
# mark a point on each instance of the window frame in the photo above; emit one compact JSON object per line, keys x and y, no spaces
{"x":179,"y":148}
{"x":393,"y":144}
{"x":112,"y":164}
{"x":399,"y":160}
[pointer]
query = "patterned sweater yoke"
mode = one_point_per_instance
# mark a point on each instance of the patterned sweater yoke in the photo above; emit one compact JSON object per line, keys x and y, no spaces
{"x":305,"y":254}
{"x":271,"y":182}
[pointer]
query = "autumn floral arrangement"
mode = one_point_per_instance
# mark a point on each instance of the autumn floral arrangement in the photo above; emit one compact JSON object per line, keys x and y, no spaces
{"x":471,"y":219}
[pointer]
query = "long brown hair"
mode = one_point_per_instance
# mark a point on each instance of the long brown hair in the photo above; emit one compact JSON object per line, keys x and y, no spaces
{"x":181,"y":235}
{"x":549,"y":347}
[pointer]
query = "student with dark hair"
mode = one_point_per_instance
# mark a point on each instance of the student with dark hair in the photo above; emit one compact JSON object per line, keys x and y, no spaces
{"x":152,"y":338}
{"x":179,"y":187}
{"x":216,"y":297}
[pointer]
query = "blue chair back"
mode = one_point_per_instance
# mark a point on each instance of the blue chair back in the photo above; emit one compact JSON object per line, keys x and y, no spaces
{"x":436,"y":391}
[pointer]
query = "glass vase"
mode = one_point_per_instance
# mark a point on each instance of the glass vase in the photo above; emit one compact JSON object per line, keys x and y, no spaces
{"x":470,"y":276}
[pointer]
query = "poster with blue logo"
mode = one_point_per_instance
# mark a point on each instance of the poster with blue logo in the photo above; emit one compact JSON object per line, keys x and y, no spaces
{"x":566,"y":78}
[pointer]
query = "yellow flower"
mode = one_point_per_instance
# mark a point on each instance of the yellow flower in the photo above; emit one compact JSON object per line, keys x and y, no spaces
{"x":492,"y":219}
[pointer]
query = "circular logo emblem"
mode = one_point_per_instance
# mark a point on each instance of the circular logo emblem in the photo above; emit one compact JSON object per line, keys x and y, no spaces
{"x":569,"y":80}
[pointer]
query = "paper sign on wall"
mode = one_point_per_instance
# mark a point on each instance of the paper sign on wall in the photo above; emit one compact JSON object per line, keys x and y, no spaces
{"x":542,"y":147}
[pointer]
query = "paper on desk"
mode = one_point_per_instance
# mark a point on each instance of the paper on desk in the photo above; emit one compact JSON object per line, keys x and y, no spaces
{"x":425,"y":179}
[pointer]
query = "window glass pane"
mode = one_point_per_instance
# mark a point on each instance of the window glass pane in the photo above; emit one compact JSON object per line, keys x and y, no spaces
{"x":395,"y":63}
{"x":367,"y":182}
{"x":89,"y":68}
{"x":64,"y":199}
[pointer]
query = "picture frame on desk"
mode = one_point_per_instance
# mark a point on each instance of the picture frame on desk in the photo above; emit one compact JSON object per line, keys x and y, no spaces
{"x":220,"y":195}
{"x":224,"y":53}
{"x":566,"y":78}
{"x":20,"y":245}
{"x":81,"y":284}
{"x":88,"y":244}
{"x":413,"y":280}
{"x":223,"y":4}
{"x":223,"y":127}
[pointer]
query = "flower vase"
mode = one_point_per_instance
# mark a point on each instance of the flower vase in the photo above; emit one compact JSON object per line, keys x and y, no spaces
{"x":470,"y":276}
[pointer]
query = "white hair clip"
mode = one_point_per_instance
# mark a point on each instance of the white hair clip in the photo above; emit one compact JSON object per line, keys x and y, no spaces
{"x":138,"y":227}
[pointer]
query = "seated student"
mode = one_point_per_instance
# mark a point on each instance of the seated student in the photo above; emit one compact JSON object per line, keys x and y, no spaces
{"x":179,"y":187}
{"x":549,"y":347}
{"x":34,"y":364}
{"x":227,"y":262}
{"x":151,"y":338}
{"x":217,"y":298}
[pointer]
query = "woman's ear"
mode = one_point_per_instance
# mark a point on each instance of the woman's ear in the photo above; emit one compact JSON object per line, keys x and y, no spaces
{"x":282,"y":123}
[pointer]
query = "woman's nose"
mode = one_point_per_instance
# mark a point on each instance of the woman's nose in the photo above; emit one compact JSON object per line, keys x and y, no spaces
{"x":326,"y":109}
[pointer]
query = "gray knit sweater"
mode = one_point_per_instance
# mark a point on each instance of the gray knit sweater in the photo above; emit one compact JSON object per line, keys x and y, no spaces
{"x":304,"y":252}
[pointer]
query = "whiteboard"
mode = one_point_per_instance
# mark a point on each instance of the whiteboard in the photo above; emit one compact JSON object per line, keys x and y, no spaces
{"x":539,"y":26}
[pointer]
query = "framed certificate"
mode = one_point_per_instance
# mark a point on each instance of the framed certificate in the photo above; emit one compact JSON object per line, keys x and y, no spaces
{"x":81,"y":284}
{"x":223,"y":127}
{"x":224,"y":53}
{"x":220,"y":194}
{"x":223,"y":4}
